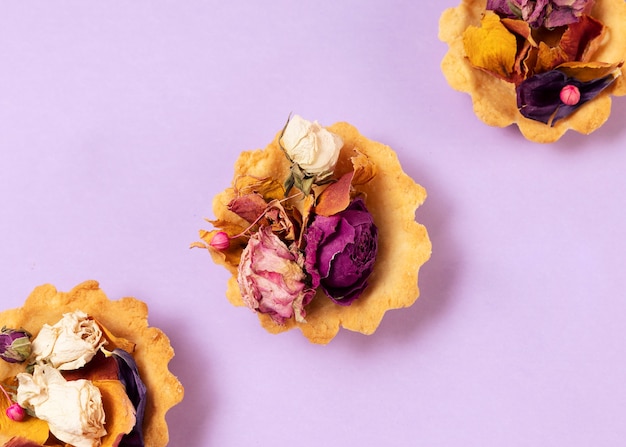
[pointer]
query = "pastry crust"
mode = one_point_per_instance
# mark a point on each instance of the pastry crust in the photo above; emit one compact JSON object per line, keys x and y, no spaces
{"x":494,"y":100}
{"x":126,"y":318}
{"x":403,"y":244}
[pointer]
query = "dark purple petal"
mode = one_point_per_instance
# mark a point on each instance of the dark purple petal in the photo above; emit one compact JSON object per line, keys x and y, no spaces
{"x":136,"y":391}
{"x":538,"y":97}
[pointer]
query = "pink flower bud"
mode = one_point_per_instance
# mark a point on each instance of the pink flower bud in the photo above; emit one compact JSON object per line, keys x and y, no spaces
{"x":16,"y":413}
{"x":570,"y":95}
{"x":220,"y":241}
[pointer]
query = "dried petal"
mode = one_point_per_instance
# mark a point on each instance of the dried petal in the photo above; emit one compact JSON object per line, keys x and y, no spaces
{"x":581,"y":40}
{"x":136,"y":391}
{"x":538,"y":97}
{"x":336,"y":197}
{"x":268,"y":188}
{"x":589,"y":71}
{"x":491,"y":47}
{"x":119,"y":410}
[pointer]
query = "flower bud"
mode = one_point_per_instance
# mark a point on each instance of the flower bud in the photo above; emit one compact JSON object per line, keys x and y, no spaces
{"x":570,"y":95}
{"x":220,"y":241}
{"x":14,"y":345}
{"x":16,"y":413}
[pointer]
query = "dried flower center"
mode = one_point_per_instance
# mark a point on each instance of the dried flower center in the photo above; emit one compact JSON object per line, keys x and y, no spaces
{"x":570,"y":95}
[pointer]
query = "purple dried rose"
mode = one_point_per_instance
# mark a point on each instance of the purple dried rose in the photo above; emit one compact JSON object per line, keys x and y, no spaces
{"x":15,"y":345}
{"x":340,"y":252}
{"x":537,"y":13}
{"x":551,"y":96}
{"x":271,"y":278}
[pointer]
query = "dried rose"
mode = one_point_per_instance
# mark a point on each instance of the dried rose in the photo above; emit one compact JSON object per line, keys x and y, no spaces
{"x":73,"y":409}
{"x":551,"y":96}
{"x":271,"y":278}
{"x":537,"y":13}
{"x":313,"y":151}
{"x":70,"y":343}
{"x":340,"y":252}
{"x":15,"y":345}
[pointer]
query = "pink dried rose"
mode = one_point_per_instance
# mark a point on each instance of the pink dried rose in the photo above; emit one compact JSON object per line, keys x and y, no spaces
{"x":271,"y":278}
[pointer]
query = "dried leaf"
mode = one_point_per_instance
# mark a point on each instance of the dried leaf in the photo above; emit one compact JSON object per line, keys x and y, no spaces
{"x":114,"y":342}
{"x":526,"y":58}
{"x":336,"y":197}
{"x":231,"y":227}
{"x":278,"y":218}
{"x":307,"y":211}
{"x":548,"y":58}
{"x":364,"y":169}
{"x":267,"y":187}
{"x":249,"y":207}
{"x":491,"y":47}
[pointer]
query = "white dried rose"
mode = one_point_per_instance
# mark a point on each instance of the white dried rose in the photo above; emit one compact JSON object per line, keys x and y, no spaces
{"x":73,"y":409}
{"x":311,"y":146}
{"x":70,"y":343}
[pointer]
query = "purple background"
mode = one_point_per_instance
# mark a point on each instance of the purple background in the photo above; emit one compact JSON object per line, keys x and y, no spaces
{"x":119,"y":121}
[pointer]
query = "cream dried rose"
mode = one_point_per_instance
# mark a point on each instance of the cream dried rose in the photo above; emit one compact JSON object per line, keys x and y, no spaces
{"x":70,"y":343}
{"x":73,"y":409}
{"x":311,"y":146}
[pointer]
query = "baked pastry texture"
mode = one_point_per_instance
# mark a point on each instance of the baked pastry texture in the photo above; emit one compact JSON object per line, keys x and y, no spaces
{"x":356,"y":187}
{"x":122,"y":328}
{"x":547,"y":66}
